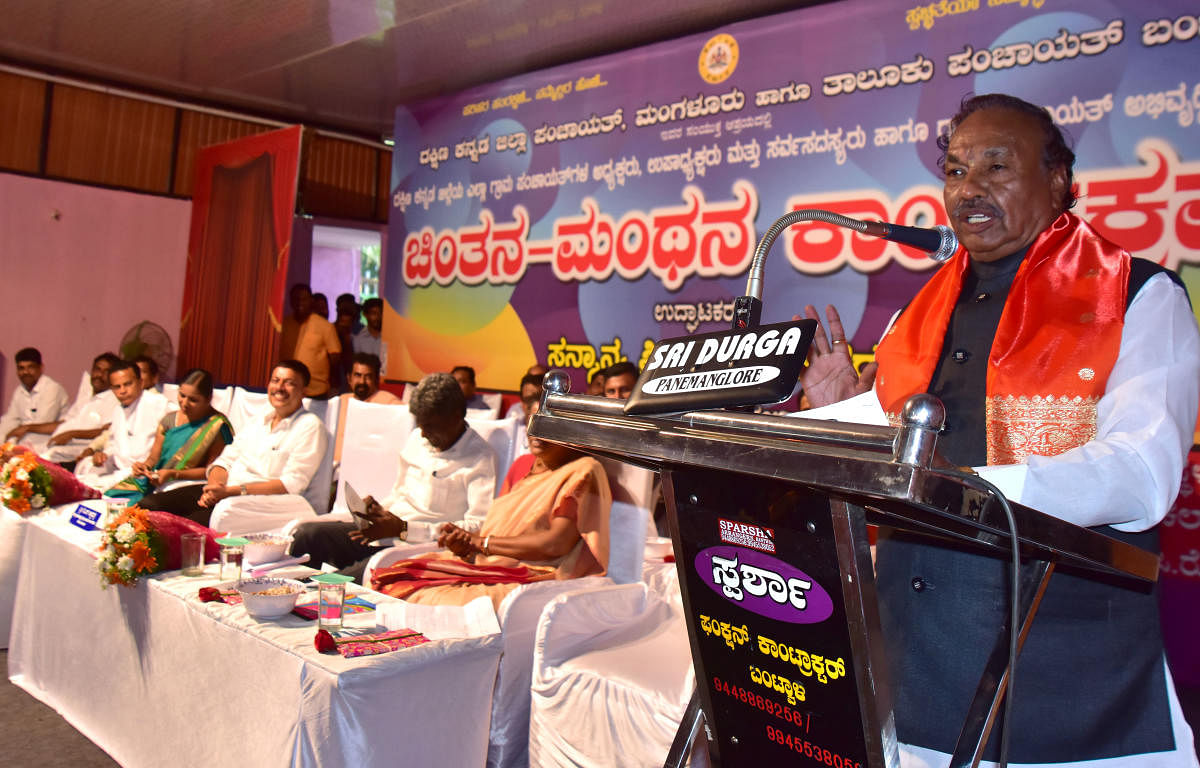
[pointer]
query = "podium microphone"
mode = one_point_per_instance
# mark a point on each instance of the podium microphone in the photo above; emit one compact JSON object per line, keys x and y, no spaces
{"x":939,"y":242}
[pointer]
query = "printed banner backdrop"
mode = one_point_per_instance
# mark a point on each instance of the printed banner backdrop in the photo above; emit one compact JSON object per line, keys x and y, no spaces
{"x":573,"y":215}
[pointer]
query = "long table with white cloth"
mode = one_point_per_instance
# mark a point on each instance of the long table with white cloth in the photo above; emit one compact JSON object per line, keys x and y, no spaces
{"x":155,"y":677}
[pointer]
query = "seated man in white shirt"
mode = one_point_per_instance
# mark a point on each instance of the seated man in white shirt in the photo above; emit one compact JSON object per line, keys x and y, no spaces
{"x":447,"y":475}
{"x":37,"y":404}
{"x":134,"y":423}
{"x":265,"y":476}
{"x":88,"y":417}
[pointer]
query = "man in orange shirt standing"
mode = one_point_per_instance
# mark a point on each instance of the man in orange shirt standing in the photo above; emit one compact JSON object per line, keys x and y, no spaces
{"x":312,"y":340}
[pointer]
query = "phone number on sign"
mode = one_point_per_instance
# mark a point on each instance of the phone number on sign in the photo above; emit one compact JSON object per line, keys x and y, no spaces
{"x":762,"y":703}
{"x":802,"y":747}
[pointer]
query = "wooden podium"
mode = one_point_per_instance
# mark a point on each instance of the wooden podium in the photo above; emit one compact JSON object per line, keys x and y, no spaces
{"x":769,"y":519}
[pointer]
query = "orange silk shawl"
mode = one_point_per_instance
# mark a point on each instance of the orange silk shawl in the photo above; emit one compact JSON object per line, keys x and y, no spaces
{"x":1057,"y":341}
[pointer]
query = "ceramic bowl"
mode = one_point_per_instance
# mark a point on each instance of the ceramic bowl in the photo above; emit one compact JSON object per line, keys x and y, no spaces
{"x":267,"y":598}
{"x":265,"y":547}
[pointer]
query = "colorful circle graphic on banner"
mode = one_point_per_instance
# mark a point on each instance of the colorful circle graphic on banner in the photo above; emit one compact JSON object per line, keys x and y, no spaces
{"x":718,"y":58}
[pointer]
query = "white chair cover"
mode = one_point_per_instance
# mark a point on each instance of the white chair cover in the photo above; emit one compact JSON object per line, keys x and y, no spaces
{"x":627,"y":525}
{"x":83,"y":392}
{"x":518,"y":615}
{"x":502,"y":435}
{"x":494,"y":401}
{"x":222,"y":400}
{"x":244,"y":405}
{"x":171,"y":392}
{"x":630,"y":483}
{"x":372,"y":439}
{"x":319,"y":489}
{"x":612,"y":676}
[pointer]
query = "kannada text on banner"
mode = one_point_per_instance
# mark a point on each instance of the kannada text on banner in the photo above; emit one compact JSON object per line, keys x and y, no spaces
{"x":577,"y":214}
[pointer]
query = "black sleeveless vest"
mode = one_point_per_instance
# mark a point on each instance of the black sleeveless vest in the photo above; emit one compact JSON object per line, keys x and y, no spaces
{"x":1089,"y":681}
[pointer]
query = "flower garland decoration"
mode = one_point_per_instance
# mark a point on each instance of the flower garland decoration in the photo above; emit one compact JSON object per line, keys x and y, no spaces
{"x":129,"y":547}
{"x":25,"y":485}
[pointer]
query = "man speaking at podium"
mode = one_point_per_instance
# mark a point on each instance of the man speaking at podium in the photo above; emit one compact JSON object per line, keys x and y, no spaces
{"x":1070,"y":375}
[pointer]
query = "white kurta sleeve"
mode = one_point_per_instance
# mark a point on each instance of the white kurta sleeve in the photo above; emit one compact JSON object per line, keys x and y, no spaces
{"x":307,"y":444}
{"x":57,"y":405}
{"x":1129,"y":475}
{"x":481,"y":487}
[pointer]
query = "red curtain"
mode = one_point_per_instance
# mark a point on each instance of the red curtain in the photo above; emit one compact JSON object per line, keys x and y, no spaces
{"x":238,"y":247}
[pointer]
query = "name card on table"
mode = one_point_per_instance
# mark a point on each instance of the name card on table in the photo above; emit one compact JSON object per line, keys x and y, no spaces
{"x":86,"y":518}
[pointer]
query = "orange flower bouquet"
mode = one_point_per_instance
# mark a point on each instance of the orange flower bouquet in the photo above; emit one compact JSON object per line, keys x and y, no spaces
{"x":29,"y":483}
{"x":138,"y":542}
{"x":129,"y":547}
{"x":25,"y":485}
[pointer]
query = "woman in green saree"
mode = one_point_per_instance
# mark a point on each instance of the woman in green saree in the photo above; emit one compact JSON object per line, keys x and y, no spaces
{"x":188,"y":440}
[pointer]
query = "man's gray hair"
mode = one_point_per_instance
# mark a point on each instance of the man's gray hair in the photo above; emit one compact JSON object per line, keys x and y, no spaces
{"x":437,"y":394}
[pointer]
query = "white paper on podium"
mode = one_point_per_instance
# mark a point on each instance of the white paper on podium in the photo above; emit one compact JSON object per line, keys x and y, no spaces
{"x":442,"y":622}
{"x":860,"y":409}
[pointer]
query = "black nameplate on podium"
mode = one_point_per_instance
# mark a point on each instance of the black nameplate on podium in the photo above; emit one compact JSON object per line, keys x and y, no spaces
{"x":753,"y":366}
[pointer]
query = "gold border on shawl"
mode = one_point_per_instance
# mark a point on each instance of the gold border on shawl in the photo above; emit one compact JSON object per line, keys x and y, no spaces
{"x":1020,"y":427}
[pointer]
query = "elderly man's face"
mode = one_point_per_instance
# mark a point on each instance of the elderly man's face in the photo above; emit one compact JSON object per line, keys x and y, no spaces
{"x":363,"y":381}
{"x":440,"y":429}
{"x":126,"y":385}
{"x":998,"y":192}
